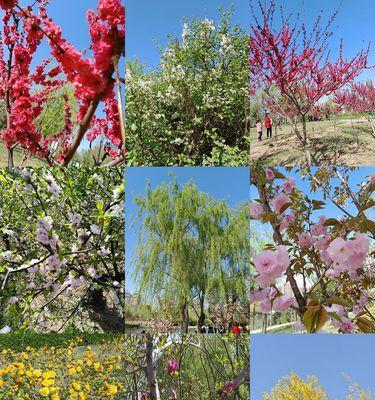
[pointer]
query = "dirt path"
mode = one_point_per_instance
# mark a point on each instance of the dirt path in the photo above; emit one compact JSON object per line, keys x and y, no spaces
{"x":342,"y":145}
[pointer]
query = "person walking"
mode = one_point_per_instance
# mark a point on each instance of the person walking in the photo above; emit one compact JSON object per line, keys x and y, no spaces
{"x":268,"y":125}
{"x":259,"y":130}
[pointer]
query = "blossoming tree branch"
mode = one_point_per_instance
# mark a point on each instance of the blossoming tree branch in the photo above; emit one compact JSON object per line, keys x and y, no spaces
{"x":327,"y":262}
{"x":61,"y":252}
{"x":96,"y":81}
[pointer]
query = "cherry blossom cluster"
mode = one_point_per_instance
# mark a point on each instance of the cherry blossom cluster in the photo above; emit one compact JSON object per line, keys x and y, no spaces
{"x":332,"y":250}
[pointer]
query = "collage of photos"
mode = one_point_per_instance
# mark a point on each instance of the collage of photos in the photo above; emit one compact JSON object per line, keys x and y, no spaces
{"x":187,"y":203}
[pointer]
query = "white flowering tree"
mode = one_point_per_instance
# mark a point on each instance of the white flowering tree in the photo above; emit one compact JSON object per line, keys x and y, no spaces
{"x":61,"y":248}
{"x":194,"y":108}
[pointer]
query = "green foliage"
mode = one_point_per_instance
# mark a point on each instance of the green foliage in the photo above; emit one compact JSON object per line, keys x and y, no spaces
{"x":192,"y":248}
{"x":19,"y":342}
{"x":52,"y":120}
{"x":194,"y":108}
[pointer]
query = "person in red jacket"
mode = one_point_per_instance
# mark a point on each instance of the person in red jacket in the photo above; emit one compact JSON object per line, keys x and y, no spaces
{"x":268,"y":125}
{"x":236,"y":330}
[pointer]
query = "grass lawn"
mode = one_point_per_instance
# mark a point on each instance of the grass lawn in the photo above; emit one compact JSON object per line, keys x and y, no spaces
{"x":31,"y":162}
{"x":349,"y":144}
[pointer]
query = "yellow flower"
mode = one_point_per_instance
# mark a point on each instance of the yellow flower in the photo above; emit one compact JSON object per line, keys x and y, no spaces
{"x":37,"y":373}
{"x":49,"y":375}
{"x":112,"y":389}
{"x":72,"y":371}
{"x":55,"y":397}
{"x":1,"y":383}
{"x":48,"y":382}
{"x":44,"y":391}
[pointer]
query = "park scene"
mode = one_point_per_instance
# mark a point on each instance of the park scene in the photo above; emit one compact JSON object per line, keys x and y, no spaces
{"x":311,"y":83}
{"x":187,"y":367}
{"x":312,"y":250}
{"x":61,"y":83}
{"x":187,"y":250}
{"x":187,"y":84}
{"x":300,"y":371}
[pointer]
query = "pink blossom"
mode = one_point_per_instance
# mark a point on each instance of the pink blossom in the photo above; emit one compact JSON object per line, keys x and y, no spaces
{"x":173,"y":366}
{"x":270,"y":175}
{"x":286,"y":220}
{"x":289,"y":185}
{"x":280,"y":201}
{"x":318,"y":230}
{"x":305,"y":239}
{"x":270,"y":265}
{"x":338,"y":250}
{"x":282,"y":303}
{"x":265,"y":306}
{"x":256,"y":210}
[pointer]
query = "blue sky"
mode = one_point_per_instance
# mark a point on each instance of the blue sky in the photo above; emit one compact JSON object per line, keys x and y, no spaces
{"x":150,"y":19}
{"x":326,"y":356}
{"x":354,"y":23}
{"x":231,"y":184}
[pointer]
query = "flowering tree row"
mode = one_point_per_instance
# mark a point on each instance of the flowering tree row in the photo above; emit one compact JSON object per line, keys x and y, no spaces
{"x":27,"y":92}
{"x":187,"y":367}
{"x":61,"y":247}
{"x":194,"y":108}
{"x":293,"y":67}
{"x":327,"y":263}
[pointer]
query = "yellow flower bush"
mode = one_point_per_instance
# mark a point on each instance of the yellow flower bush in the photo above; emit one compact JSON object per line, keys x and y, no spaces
{"x":67,"y":373}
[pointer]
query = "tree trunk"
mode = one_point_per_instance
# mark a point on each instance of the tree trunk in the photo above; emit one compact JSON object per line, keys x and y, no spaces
{"x":185,"y":317}
{"x":10,"y":158}
{"x":306,"y":143}
{"x":371,"y":125}
{"x":202,"y":315}
{"x":150,"y":369}
{"x":264,"y":325}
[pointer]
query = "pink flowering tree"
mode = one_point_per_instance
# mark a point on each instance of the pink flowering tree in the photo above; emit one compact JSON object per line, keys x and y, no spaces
{"x":61,"y":249}
{"x":187,"y":367}
{"x":319,"y":267}
{"x":359,"y":98}
{"x":294,"y":68}
{"x":27,"y":92}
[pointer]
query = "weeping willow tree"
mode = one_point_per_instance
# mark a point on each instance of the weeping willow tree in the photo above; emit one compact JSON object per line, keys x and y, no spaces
{"x":191,"y":249}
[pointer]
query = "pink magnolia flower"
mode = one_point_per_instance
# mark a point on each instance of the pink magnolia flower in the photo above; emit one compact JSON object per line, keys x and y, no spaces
{"x":270,"y":175}
{"x":280,"y":201}
{"x":282,"y":303}
{"x":145,"y":395}
{"x":305,"y":239}
{"x":173,"y":366}
{"x":289,"y":185}
{"x":256,"y":210}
